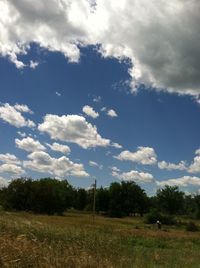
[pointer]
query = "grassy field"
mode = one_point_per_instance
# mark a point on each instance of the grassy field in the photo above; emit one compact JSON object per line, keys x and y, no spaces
{"x":28,"y":240}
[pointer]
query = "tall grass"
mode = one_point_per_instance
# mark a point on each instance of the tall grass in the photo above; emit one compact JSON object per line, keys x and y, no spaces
{"x":73,"y":241}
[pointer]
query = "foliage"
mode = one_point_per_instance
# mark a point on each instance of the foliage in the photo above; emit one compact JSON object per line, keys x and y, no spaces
{"x":28,"y":240}
{"x":154,"y":215}
{"x":191,"y":227}
{"x":42,"y":196}
{"x":170,"y":199}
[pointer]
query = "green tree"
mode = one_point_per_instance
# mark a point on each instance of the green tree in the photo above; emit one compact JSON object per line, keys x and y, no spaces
{"x":170,"y":199}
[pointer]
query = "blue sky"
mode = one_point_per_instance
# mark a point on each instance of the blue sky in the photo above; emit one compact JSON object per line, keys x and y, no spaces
{"x":102,"y":108}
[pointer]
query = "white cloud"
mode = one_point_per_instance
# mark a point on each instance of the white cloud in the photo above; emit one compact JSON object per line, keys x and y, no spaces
{"x":21,"y":134}
{"x":195,"y":166}
{"x":59,"y":147}
{"x":13,"y":115}
{"x":183,"y":181}
{"x":97,"y":99}
{"x":3,"y":182}
{"x":58,"y":94}
{"x":112,"y":113}
{"x":33,"y":64}
{"x":95,"y":164}
{"x":72,"y":128}
{"x":88,"y":110}
{"x":61,"y":167}
{"x":23,"y":108}
{"x":116,"y":145}
{"x":9,"y":159}
{"x":144,"y":156}
{"x":133,"y":175}
{"x":172,"y":166}
{"x":29,"y":144}
{"x":164,"y":52}
{"x":11,"y":169}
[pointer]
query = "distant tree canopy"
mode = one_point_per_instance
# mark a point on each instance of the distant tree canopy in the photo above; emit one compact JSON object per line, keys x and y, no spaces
{"x":41,"y":196}
{"x":50,"y":196}
{"x":170,"y":199}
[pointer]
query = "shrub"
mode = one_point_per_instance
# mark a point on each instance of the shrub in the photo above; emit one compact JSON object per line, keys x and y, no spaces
{"x":154,"y":215}
{"x":191,"y":227}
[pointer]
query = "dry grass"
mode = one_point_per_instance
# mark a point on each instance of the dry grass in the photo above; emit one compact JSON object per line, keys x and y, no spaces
{"x":28,"y":240}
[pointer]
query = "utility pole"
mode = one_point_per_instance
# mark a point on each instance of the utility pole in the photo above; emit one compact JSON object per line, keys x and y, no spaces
{"x":94,"y":199}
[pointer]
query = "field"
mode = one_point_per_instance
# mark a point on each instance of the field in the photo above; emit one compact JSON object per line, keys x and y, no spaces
{"x":28,"y":240}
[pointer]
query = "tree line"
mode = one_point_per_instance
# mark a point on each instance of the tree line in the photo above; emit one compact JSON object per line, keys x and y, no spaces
{"x":51,"y":196}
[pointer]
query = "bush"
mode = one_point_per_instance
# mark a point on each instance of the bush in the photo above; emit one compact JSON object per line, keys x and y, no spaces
{"x":191,"y":227}
{"x":154,"y":216}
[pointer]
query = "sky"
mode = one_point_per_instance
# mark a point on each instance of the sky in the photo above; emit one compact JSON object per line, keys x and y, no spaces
{"x":105,"y":90}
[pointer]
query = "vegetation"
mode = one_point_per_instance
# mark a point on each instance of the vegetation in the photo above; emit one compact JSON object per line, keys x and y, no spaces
{"x":51,"y":196}
{"x":121,"y":239}
{"x":72,"y":240}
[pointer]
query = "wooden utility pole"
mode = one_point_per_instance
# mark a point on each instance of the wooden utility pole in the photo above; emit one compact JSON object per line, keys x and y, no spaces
{"x":94,"y":199}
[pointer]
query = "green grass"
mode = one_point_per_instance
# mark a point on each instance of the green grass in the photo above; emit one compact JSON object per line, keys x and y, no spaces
{"x":28,"y":240}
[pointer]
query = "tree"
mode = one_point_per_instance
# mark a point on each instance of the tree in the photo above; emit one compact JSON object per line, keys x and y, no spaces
{"x":102,"y":199}
{"x":170,"y":199}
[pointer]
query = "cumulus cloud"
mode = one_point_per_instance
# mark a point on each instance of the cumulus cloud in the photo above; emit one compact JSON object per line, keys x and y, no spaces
{"x":11,"y":169}
{"x":195,"y":166}
{"x":112,"y":113}
{"x":9,"y":159}
{"x":21,"y":134}
{"x":133,"y":175}
{"x":3,"y":182}
{"x":88,"y":110}
{"x":164,"y":53}
{"x":172,"y":166}
{"x":72,"y":128}
{"x":61,"y":167}
{"x":59,"y":147}
{"x":23,"y":108}
{"x":116,"y":145}
{"x":183,"y":181}
{"x":95,"y":164}
{"x":144,"y":156}
{"x":33,"y":64}
{"x":13,"y":115}
{"x":29,"y":144}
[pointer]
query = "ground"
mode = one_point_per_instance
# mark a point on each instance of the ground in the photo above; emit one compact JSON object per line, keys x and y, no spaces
{"x":73,"y":240}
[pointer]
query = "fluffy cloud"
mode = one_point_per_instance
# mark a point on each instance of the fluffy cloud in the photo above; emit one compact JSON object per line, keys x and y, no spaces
{"x":21,"y":134}
{"x":9,"y":159}
{"x":33,"y":64}
{"x":111,"y":113}
{"x":72,"y":128}
{"x":183,"y":181}
{"x":23,"y":108}
{"x":95,"y":164}
{"x":116,"y":145}
{"x":144,"y":156}
{"x":3,"y":182}
{"x":11,"y":169}
{"x":59,"y":147}
{"x":61,"y":167}
{"x":172,"y":166}
{"x":133,"y":175}
{"x":90,"y":111}
{"x":159,"y":37}
{"x":195,"y":166}
{"x":29,"y":144}
{"x":13,"y":115}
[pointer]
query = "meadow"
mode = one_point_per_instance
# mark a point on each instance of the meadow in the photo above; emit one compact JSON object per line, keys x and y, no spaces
{"x":73,"y":240}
